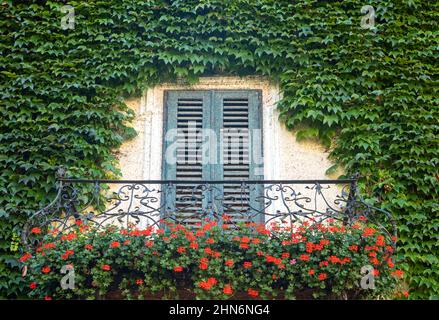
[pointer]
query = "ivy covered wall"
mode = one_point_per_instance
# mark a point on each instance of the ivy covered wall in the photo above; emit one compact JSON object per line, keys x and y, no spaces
{"x":368,"y":94}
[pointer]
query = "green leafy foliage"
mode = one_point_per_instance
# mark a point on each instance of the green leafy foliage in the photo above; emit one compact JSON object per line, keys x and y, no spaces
{"x":215,"y":262}
{"x":374,"y":91}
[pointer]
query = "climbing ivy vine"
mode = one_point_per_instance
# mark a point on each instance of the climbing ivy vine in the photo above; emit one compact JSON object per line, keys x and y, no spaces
{"x":370,"y":95}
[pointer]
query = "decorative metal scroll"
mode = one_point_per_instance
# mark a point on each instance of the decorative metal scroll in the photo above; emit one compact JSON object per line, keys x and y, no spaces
{"x":132,"y":203}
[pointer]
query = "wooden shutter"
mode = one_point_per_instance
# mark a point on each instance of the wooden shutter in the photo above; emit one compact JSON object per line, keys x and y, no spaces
{"x":238,"y":122}
{"x":187,"y":113}
{"x":230,"y":115}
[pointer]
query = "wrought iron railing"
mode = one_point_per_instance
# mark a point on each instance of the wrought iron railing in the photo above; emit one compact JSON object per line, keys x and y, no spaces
{"x":149,"y":203}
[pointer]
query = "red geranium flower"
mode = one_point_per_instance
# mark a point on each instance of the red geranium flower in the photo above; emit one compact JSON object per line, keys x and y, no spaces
{"x":243,"y":245}
{"x":311,"y":272}
{"x":253,"y":293}
{"x":47,"y":298}
{"x":397,"y":273}
{"x":390,"y":263}
{"x":106,"y":267}
{"x":304,"y":257}
{"x":207,"y":285}
{"x":309,"y":247}
{"x":33,"y":285}
{"x":380,"y":241}
{"x":353,"y":248}
{"x":49,"y":245}
{"x":228,"y":289}
{"x":178,"y":269}
{"x":25,"y":257}
{"x":204,"y":260}
{"x":139,"y":282}
{"x":35,"y":230}
{"x":193,"y":245}
{"x":229,"y":263}
{"x":245,"y":239}
{"x":149,"y":243}
{"x":181,"y":250}
{"x":69,"y":237}
{"x":203,"y":266}
{"x":323,"y":264}
{"x":368,"y":232}
{"x":322,"y":276}
{"x":247,"y":264}
{"x":88,"y":246}
{"x":66,"y":255}
{"x":45,"y":269}
{"x":210,"y":241}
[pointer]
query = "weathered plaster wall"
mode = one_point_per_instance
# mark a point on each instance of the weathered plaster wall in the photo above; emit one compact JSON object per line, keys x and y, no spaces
{"x":284,"y":157}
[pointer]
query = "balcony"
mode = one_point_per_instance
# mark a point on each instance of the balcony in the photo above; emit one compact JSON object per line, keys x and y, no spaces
{"x":150,"y":203}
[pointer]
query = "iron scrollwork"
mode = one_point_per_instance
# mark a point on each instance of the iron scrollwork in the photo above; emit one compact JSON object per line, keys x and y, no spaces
{"x":147,"y":203}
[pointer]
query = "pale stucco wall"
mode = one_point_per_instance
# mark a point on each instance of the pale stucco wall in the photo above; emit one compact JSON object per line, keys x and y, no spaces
{"x":284,"y":157}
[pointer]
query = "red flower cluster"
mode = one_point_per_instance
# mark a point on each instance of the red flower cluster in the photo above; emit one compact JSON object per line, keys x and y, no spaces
{"x":178,"y":269}
{"x":193,"y":245}
{"x":228,"y":289}
{"x":49,"y":245}
{"x":353,"y":248}
{"x":322,"y":276}
{"x":45,"y":269}
{"x":66,"y":255}
{"x":335,"y":260}
{"x":207,"y":285}
{"x":35,"y":230}
{"x":204,"y":263}
{"x":271,"y":259}
{"x":106,"y":267}
{"x":310,"y":247}
{"x":114,"y":244}
{"x":368,"y":232}
{"x":25,"y":257}
{"x":229,"y":263}
{"x":304,"y":257}
{"x":149,"y":243}
{"x":69,"y":237}
{"x":252,"y":293}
